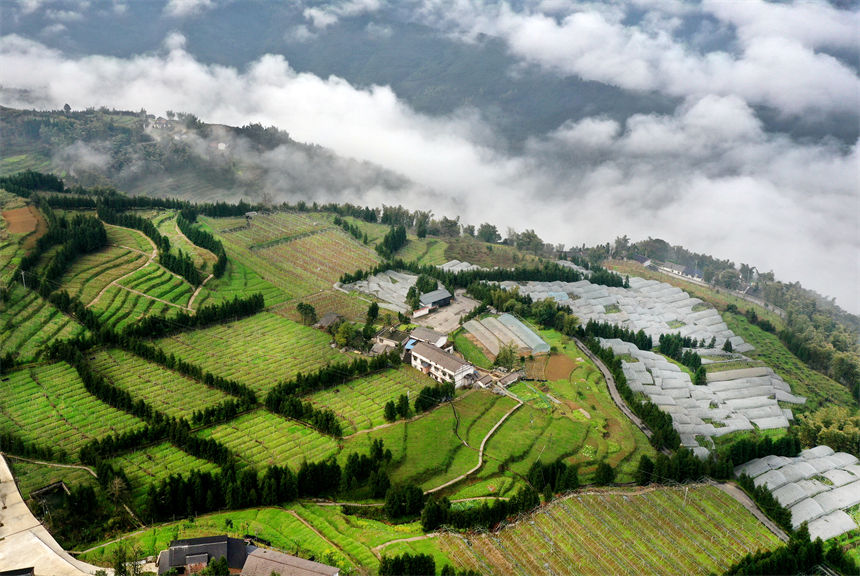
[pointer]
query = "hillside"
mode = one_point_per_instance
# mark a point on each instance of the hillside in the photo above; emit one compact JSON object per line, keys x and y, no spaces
{"x":169,"y":348}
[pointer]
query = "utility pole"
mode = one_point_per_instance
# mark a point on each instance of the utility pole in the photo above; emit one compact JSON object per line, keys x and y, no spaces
{"x":23,"y":280}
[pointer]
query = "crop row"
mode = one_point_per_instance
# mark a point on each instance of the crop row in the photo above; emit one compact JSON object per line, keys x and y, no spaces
{"x":118,"y":307}
{"x":89,"y":274}
{"x":30,"y":323}
{"x":129,"y":238}
{"x":154,"y":464}
{"x":258,"y":351}
{"x":262,"y":439}
{"x":157,"y":282}
{"x":164,"y":390}
{"x":49,"y":406}
{"x":689,"y":530}
{"x":361,"y":403}
{"x":266,"y":228}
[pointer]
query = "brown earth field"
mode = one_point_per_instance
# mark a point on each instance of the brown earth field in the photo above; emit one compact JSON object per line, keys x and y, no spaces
{"x":25,"y":220}
{"x":559,"y":367}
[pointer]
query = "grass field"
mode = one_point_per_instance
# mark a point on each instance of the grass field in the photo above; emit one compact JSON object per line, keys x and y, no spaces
{"x":474,"y":251}
{"x":818,"y":389}
{"x":166,"y":224}
{"x":29,"y":323}
{"x":48,"y":405}
{"x":333,"y":538}
{"x":90,"y":274}
{"x":156,"y":463}
{"x":427,"y":451}
{"x":361,"y":403}
{"x":662,"y":531}
{"x":261,"y":438}
{"x":31,"y":477}
{"x":424,"y":250}
{"x":168,"y":391}
{"x":259,"y":351}
{"x":471,"y":351}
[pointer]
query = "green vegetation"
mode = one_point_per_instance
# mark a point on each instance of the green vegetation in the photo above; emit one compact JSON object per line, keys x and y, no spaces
{"x":818,"y":389}
{"x":470,"y":351}
{"x":30,"y":323}
{"x":702,"y":529}
{"x":32,"y":477}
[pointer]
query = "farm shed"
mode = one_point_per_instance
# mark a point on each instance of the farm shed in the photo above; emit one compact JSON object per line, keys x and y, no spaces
{"x":436,"y":298}
{"x":328,"y":321}
{"x":200,"y":551}
{"x":430,"y":336}
{"x":441,"y":366}
{"x":391,"y":337}
{"x":263,"y":562}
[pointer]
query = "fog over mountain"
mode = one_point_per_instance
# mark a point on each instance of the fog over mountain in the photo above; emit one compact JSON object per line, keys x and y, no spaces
{"x":728,"y":127}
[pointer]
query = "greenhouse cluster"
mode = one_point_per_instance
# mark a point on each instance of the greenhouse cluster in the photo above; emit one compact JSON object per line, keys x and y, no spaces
{"x":732,"y":400}
{"x":819,"y":486}
{"x":389,"y":286}
{"x":654,"y":307}
{"x":494,"y":332}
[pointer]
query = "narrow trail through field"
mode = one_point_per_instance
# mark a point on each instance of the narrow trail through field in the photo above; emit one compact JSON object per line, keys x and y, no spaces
{"x":197,"y":291}
{"x":480,"y":452}
{"x":149,"y":258}
{"x":616,"y":396}
{"x":377,"y":549}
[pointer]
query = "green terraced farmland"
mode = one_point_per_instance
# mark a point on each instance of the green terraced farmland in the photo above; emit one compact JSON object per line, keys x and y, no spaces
{"x":262,"y":439}
{"x":156,"y":463}
{"x":351,"y":306}
{"x":658,"y":531}
{"x":259,"y":351}
{"x":361,"y":403}
{"x":238,"y":280}
{"x":31,"y":477}
{"x":48,"y":405}
{"x":155,"y":281}
{"x":129,"y":238}
{"x":166,"y":224}
{"x":427,"y":451}
{"x":30,"y":323}
{"x":90,"y":274}
{"x":165,"y":390}
{"x":118,"y":307}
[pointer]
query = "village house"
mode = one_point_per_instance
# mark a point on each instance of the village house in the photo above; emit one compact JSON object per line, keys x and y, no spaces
{"x":441,"y":366}
{"x":429,"y":336}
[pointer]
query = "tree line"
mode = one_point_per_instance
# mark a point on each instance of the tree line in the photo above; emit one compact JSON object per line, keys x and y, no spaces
{"x":180,"y":263}
{"x":351,"y":229}
{"x":203,"y":239}
{"x":158,"y":326}
{"x":394,"y":240}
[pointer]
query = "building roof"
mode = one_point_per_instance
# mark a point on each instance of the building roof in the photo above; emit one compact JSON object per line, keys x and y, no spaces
{"x":485,"y":380}
{"x":511,"y":378}
{"x":192,"y":550}
{"x":430,"y":298}
{"x":427,"y":335}
{"x":438,"y":356}
{"x":19,"y":572}
{"x":393,"y":334}
{"x":266,"y":562}
{"x":328,"y":319}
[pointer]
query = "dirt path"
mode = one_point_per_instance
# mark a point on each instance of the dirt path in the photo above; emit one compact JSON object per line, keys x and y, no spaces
{"x":320,"y":534}
{"x":149,"y":260}
{"x":480,"y":452}
{"x":747,"y":502}
{"x":197,"y":291}
{"x":377,"y":549}
{"x":54,"y":464}
{"x":616,"y":396}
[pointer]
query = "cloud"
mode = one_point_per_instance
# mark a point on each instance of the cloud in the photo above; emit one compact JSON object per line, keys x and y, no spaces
{"x":775,"y":63}
{"x":706,"y":176}
{"x":323,"y":16}
{"x":183,"y":8}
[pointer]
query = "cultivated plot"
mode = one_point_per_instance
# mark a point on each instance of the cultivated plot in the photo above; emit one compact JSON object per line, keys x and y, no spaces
{"x":48,"y":406}
{"x":29,"y":323}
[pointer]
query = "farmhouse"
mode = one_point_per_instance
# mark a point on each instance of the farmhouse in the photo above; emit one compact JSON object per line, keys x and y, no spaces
{"x":194,"y":554}
{"x":328,"y":320}
{"x":441,"y":366}
{"x":267,"y":562}
{"x":429,"y":336}
{"x":391,"y":337}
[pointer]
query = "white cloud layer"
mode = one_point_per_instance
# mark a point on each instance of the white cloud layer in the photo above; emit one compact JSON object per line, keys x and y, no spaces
{"x":183,"y":8}
{"x":706,"y":176}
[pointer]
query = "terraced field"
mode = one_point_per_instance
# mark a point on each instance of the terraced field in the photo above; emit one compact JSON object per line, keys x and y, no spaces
{"x":30,"y":323}
{"x":261,"y":438}
{"x":32,"y":477}
{"x":361,"y":403}
{"x":259,"y":351}
{"x":90,"y":274}
{"x":156,"y":463}
{"x":424,"y":250}
{"x":119,"y":307}
{"x":238,"y":280}
{"x":168,"y":391}
{"x":166,"y":224}
{"x":48,"y":405}
{"x":700,"y":530}
{"x":129,"y":238}
{"x":155,"y":281}
{"x":350,"y":306}
{"x":428,"y":451}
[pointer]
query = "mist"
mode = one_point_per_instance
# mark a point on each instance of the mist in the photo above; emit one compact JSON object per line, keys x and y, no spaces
{"x":708,"y":175}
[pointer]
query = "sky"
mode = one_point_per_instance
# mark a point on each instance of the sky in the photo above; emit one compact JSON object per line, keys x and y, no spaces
{"x":727,"y":127}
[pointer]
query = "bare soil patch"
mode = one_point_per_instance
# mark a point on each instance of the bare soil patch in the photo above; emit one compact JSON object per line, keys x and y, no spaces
{"x":559,"y":367}
{"x":21,"y":220}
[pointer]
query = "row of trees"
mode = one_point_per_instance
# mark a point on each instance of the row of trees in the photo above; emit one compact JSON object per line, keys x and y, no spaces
{"x":608,"y":330}
{"x":204,"y":239}
{"x":351,"y":229}
{"x":438,"y":511}
{"x":228,"y":310}
{"x":180,"y":263}
{"x":394,"y":240}
{"x":431,"y":396}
